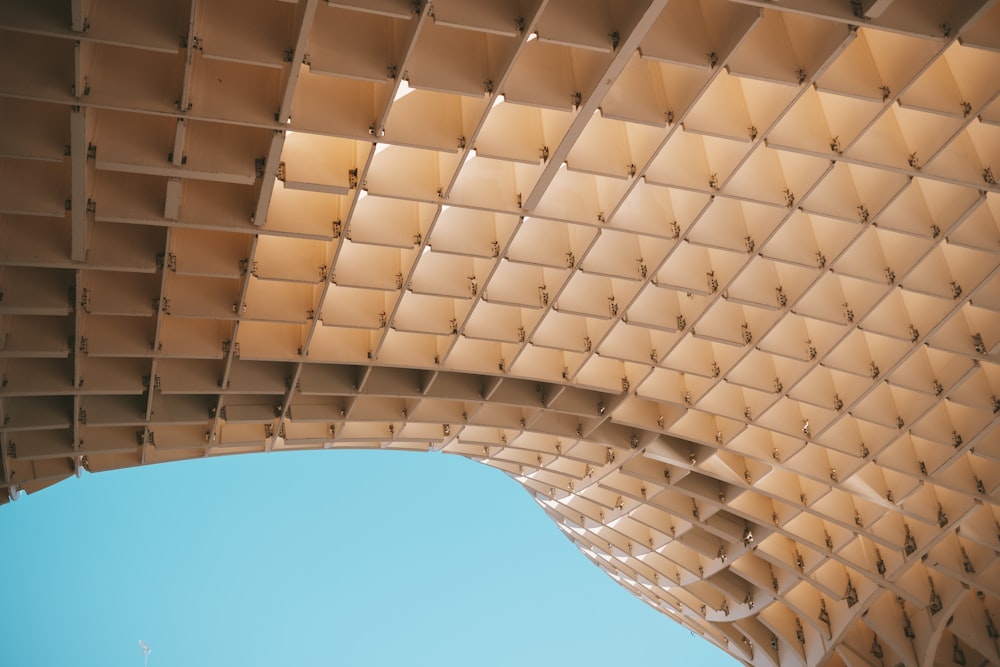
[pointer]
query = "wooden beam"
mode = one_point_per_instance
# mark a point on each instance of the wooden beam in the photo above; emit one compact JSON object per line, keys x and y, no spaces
{"x":876,"y":8}
{"x":273,"y":158}
{"x":78,"y":182}
{"x":79,"y":16}
{"x":591,"y":100}
{"x":172,"y":206}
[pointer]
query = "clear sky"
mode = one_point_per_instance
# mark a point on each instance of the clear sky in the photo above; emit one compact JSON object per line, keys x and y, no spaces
{"x":324,"y":558}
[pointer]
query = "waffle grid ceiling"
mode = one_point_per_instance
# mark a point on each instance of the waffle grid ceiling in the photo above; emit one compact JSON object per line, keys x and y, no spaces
{"x":716,"y":281}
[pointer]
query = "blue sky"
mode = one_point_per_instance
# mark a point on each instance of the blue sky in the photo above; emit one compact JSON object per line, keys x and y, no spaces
{"x":325,"y":558}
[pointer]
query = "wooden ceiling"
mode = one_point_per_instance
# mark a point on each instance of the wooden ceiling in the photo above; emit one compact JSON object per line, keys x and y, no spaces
{"x":716,"y":281}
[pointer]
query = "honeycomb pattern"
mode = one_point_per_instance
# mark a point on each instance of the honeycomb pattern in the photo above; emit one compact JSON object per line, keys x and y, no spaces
{"x":716,"y":281}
